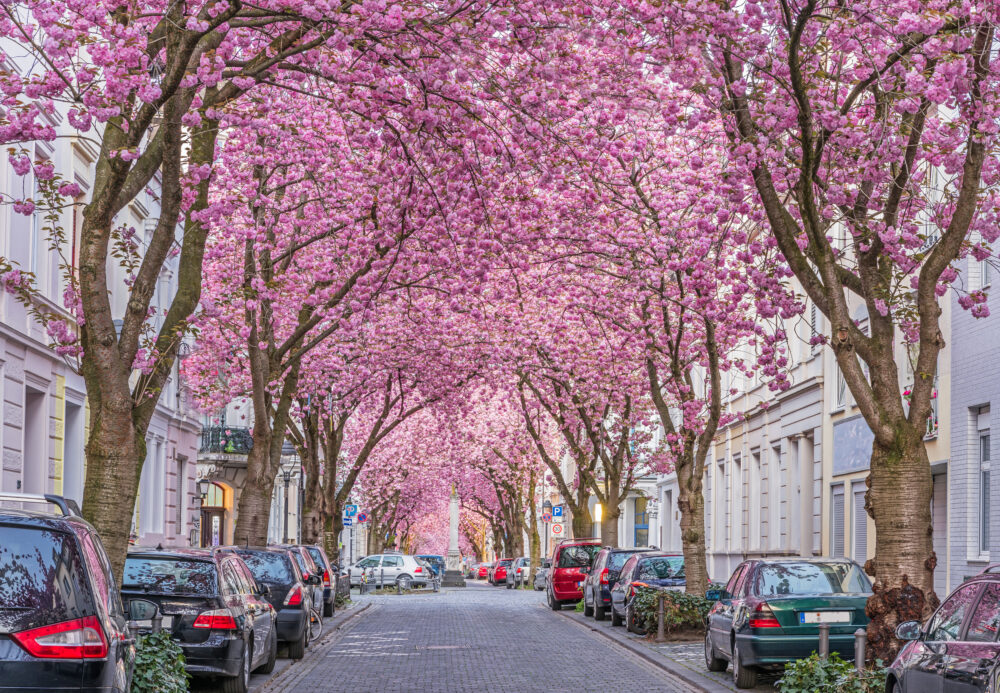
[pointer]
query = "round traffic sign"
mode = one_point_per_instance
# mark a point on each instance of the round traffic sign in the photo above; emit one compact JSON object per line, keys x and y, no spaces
{"x":557,"y":529}
{"x":546,"y":517}
{"x":362,"y":517}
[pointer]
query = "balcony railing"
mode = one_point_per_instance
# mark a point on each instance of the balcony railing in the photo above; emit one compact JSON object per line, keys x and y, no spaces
{"x":226,"y":439}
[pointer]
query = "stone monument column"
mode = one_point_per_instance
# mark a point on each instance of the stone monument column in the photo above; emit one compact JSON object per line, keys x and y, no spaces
{"x":453,"y":576}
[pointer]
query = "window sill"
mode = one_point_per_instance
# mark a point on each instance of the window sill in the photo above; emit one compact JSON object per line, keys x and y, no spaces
{"x":838,"y":409}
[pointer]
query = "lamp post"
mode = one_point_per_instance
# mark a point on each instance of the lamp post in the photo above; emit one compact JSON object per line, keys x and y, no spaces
{"x":286,"y":475}
{"x":203,"y":486}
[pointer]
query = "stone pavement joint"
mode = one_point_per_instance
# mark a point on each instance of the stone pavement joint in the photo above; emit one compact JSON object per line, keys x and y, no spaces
{"x":480,"y":639}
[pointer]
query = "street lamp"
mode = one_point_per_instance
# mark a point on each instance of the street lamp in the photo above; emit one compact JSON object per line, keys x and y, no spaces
{"x":203,"y":486}
{"x":546,"y":512}
{"x":287,"y":477}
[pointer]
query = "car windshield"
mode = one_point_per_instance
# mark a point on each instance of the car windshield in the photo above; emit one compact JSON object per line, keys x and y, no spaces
{"x":506,"y":562}
{"x":577,"y":556}
{"x":317,"y":556}
{"x":617,"y":560}
{"x":661,"y":568}
{"x":41,"y":578}
{"x":170,"y":575}
{"x":268,"y":567}
{"x":811,"y":578}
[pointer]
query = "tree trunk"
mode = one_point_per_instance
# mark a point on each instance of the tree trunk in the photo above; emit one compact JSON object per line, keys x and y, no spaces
{"x":899,"y":500}
{"x":115,"y":455}
{"x":333,"y":528}
{"x":611,"y":511}
{"x":692,"y":507}
{"x":583,"y":521}
{"x":534,"y":542}
{"x":254,"y":510}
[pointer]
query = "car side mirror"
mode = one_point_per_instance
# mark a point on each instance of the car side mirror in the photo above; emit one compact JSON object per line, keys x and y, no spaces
{"x":909,"y":630}
{"x":263,"y":590}
{"x":142,"y":610}
{"x":314,"y":580}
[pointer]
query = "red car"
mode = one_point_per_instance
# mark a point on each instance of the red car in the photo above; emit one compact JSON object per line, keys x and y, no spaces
{"x":498,"y":576}
{"x":571,"y":561}
{"x":484,"y":570}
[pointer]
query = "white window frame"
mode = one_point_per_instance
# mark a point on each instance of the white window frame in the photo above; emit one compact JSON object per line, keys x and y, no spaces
{"x":984,"y":492}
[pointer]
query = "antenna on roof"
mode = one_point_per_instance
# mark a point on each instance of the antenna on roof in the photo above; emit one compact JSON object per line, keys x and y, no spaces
{"x":159,"y":547}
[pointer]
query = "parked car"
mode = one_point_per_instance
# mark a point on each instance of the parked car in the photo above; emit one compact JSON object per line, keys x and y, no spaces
{"x":62,"y":625}
{"x":389,"y":569}
{"x":604,"y":574}
{"x":957,"y":651}
{"x":472,"y":571}
{"x":498,"y":576}
{"x":541,"y":574}
{"x":484,"y":570}
{"x":287,"y":593}
{"x":436,"y":563}
{"x":643,"y":570}
{"x":329,"y":576}
{"x":311,"y":572}
{"x":571,"y":560}
{"x":517,"y":574}
{"x":770,"y":610}
{"x":212,"y":606}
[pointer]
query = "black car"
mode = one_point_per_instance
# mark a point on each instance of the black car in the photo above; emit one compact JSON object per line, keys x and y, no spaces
{"x":957,"y":651}
{"x":603,"y":575}
{"x":212,"y":606}
{"x":643,"y":570}
{"x":62,"y":625}
{"x":311,"y":575}
{"x":330,"y":573}
{"x":288,"y":592}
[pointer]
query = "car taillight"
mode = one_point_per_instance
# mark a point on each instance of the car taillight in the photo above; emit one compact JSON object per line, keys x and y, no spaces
{"x":418,"y":569}
{"x":81,"y":638}
{"x":326,"y":578}
{"x":763,"y":617}
{"x":294,"y":596}
{"x":604,"y":576}
{"x":219,"y":619}
{"x":633,"y":585}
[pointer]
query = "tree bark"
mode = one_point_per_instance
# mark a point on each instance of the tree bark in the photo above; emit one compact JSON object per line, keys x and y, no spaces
{"x":691,"y":503}
{"x":611,"y":511}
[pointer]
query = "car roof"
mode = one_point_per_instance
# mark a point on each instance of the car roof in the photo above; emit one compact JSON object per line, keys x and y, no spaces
{"x":179,"y":552}
{"x":804,"y":559}
{"x":41,"y":519}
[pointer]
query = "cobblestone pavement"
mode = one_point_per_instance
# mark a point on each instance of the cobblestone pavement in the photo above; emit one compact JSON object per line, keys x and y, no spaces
{"x":480,"y":639}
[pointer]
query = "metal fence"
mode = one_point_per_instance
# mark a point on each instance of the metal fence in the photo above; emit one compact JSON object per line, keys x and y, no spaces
{"x":226,"y":439}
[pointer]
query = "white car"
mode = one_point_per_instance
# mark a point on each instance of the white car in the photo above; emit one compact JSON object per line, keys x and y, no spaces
{"x":388,"y":568}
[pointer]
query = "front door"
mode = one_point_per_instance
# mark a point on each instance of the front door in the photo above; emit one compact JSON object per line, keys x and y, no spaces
{"x":212,"y":533}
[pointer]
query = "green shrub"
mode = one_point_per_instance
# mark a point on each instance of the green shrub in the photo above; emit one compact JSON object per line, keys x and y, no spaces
{"x":159,"y":665}
{"x":681,"y":611}
{"x":341,"y":600}
{"x":579,"y":607}
{"x":832,"y":675}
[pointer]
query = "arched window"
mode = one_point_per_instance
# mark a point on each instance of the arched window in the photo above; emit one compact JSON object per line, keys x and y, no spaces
{"x":215,"y":498}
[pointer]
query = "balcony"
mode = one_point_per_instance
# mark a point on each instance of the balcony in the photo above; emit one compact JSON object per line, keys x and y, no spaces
{"x":229,"y":440}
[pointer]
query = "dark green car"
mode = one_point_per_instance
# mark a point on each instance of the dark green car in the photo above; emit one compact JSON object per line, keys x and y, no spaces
{"x":770,"y":611}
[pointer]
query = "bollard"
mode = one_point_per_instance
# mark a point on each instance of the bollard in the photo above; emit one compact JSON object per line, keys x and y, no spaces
{"x":381,"y":578}
{"x":860,"y":642}
{"x":824,"y":640}
{"x":661,"y":633}
{"x":157,"y":622}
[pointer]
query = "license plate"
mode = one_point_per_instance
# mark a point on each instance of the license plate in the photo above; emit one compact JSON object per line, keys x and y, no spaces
{"x":825,"y":617}
{"x":147,"y":624}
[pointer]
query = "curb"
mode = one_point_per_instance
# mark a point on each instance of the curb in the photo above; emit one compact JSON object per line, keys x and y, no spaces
{"x":353,"y":614}
{"x":701,"y":683}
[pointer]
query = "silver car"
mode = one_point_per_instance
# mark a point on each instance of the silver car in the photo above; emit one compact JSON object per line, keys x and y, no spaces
{"x":539,"y":583}
{"x":390,"y":568}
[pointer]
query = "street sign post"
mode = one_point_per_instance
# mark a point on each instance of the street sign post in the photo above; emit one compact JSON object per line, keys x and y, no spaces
{"x":362,"y":517}
{"x":557,"y":512}
{"x":557,"y":529}
{"x":350,"y":510}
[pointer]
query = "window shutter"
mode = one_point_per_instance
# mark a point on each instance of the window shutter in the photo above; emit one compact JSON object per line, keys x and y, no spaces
{"x":837,"y":518}
{"x":860,"y":525}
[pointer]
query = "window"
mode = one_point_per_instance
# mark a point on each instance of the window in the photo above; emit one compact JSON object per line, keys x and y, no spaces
{"x":577,"y":556}
{"x":984,"y":492}
{"x":948,"y":620}
{"x":837,"y":522}
{"x":735,"y":579}
{"x":986,"y":618}
{"x":641,"y":537}
{"x":985,"y":273}
{"x":841,"y":388}
{"x":737,"y":503}
{"x":860,"y":522}
{"x":181,"y":492}
{"x":170,"y":575}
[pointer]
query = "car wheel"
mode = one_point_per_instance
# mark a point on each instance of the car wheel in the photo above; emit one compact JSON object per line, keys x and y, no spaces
{"x":616,"y":620}
{"x":600,"y":613}
{"x":631,"y":623}
{"x":743,"y":676}
{"x":587,"y":610}
{"x":272,"y":655}
{"x":510,"y":586}
{"x":713,"y":663}
{"x":297,"y":649}
{"x":241,"y":682}
{"x":554,"y":603}
{"x":328,"y":608}
{"x":402,"y":577}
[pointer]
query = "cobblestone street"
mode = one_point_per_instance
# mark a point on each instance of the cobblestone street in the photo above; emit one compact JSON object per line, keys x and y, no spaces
{"x":480,"y":639}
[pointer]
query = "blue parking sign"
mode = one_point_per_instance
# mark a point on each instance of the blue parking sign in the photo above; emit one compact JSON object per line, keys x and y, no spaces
{"x":350,"y":510}
{"x":557,"y":511}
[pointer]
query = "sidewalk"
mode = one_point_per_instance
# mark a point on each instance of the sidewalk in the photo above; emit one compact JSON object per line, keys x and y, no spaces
{"x":685,"y":660}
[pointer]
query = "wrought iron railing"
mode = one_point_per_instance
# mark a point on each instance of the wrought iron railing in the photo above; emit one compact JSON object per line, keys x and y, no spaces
{"x":226,"y":439}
